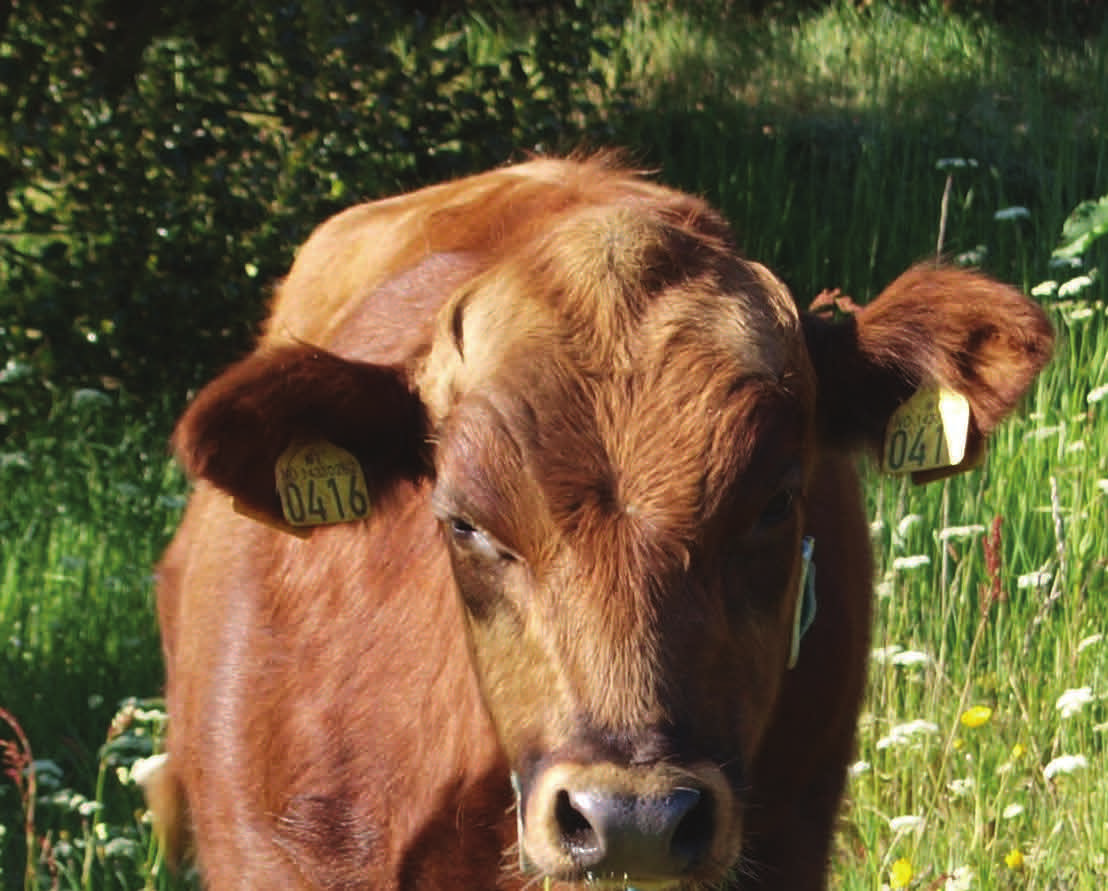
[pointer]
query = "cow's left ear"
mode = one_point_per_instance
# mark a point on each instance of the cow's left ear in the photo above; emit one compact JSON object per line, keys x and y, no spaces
{"x":239,"y":425}
{"x":934,"y":325}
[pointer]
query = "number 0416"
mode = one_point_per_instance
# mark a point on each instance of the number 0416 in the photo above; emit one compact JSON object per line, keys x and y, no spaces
{"x":320,"y":483}
{"x":319,"y":502}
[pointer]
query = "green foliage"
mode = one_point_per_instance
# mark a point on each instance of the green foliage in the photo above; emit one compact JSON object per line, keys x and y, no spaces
{"x":1087,"y":223}
{"x":104,"y":840}
{"x":152,"y":201}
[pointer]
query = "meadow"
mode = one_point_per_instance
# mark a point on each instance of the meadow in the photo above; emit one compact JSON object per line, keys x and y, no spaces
{"x":843,"y":144}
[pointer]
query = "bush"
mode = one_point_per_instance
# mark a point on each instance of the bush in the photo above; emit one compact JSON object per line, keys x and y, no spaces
{"x":158,"y":173}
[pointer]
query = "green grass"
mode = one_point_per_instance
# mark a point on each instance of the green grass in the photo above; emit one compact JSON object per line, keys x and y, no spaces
{"x":819,"y":137}
{"x":1016,"y":652}
{"x":87,"y":506}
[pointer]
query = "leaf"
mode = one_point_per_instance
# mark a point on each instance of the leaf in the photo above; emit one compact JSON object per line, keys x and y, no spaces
{"x":1087,"y":223}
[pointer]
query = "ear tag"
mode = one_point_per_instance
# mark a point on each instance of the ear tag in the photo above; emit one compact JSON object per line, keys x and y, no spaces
{"x":320,"y":483}
{"x":930,"y":430}
{"x":805,"y":613}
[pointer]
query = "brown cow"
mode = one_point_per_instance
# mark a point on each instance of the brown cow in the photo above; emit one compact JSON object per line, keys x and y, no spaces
{"x":593,"y":438}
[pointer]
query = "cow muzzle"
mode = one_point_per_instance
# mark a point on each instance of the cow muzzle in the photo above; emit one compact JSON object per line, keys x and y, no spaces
{"x":631,"y":827}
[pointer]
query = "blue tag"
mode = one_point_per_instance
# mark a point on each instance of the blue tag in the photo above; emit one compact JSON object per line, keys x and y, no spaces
{"x":805,"y":613}
{"x":524,"y":864}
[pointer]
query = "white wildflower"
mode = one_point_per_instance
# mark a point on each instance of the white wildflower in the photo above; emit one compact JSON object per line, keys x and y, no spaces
{"x":1074,"y":700}
{"x":914,"y":561}
{"x":906,"y":823}
{"x":903,"y":734}
{"x":960,"y":532}
{"x":883,"y":590}
{"x":858,"y":768}
{"x":1090,"y":641}
{"x":1081,"y":314}
{"x":876,"y":527}
{"x":1012,"y":213}
{"x":1043,"y":432}
{"x":1103,"y":486}
{"x":1038,"y":579}
{"x":88,"y":808}
{"x":1065,"y":764}
{"x":960,"y":879}
{"x":881,"y":655}
{"x":955,"y":163}
{"x":1078,"y":445}
{"x":910,"y":658}
{"x":961,"y":788}
{"x":973,"y":257}
{"x":145,"y":768}
{"x":1044,"y":289}
{"x":1097,"y":394}
{"x":1065,"y":263}
{"x":1012,"y":811}
{"x":1075,"y":285}
{"x":120,"y":846}
{"x":906,"y":524}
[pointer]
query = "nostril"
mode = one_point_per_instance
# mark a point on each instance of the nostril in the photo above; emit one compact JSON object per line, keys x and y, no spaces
{"x":692,"y":838}
{"x":575,"y":831}
{"x":607,"y":823}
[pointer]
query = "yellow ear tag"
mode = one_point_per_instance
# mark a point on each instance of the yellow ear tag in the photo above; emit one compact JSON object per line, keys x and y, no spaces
{"x":320,"y":483}
{"x":929,"y":430}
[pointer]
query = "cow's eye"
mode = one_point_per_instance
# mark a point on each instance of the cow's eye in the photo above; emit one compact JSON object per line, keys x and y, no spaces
{"x":462,"y":530}
{"x":476,"y":540}
{"x":778,"y":509}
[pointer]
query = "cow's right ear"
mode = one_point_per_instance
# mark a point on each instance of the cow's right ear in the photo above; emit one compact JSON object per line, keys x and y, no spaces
{"x":237,"y":428}
{"x":934,"y":326}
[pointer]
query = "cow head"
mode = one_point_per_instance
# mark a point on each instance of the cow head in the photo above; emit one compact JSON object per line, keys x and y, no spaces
{"x":618,"y":419}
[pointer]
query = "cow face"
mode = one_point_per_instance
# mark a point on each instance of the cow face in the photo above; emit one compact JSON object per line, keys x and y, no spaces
{"x":623,"y":499}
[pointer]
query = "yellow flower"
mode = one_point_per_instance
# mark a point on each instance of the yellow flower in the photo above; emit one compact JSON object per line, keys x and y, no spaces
{"x":976,"y":716}
{"x":1018,"y":751}
{"x":1014,"y":859}
{"x":900,"y":874}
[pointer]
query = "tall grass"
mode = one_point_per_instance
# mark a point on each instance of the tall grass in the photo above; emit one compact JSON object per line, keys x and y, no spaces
{"x":820,"y":137}
{"x":954,"y":633}
{"x":88,"y":503}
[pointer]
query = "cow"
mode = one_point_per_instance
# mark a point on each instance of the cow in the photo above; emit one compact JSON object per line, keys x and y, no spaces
{"x":570,"y":631}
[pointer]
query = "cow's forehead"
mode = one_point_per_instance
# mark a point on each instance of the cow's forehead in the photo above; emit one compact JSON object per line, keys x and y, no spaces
{"x":616,"y":369}
{"x":621,"y":287}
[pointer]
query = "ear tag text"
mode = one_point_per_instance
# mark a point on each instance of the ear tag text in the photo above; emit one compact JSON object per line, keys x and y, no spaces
{"x":930,"y":430}
{"x":319,"y":484}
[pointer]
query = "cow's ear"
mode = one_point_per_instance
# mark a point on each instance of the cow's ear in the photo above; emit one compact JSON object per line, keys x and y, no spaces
{"x":934,"y":325}
{"x":237,"y":428}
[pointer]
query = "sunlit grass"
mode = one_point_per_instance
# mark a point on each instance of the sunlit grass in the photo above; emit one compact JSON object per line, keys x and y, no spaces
{"x":991,"y":735}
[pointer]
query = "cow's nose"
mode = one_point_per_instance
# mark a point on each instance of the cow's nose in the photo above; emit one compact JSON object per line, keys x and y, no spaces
{"x":620,"y":835}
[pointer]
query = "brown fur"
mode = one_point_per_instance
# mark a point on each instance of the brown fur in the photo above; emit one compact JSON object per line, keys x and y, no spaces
{"x":623,"y":429}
